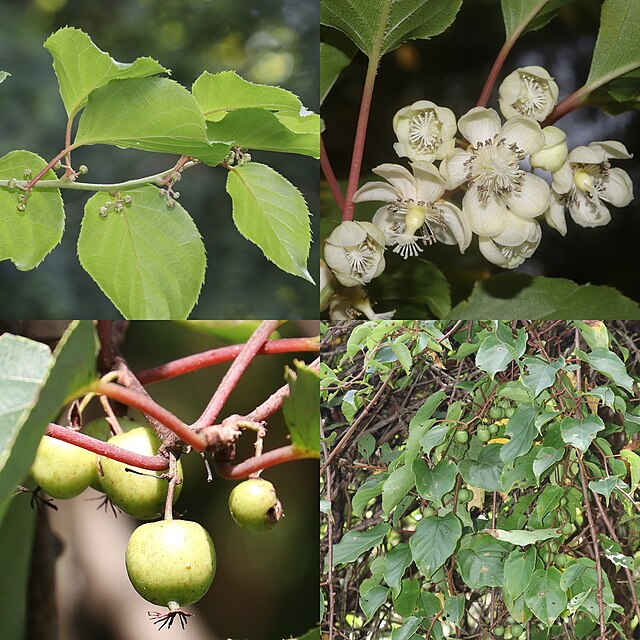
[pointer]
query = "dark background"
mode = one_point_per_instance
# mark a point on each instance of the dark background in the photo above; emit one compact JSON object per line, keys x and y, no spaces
{"x":266,"y":41}
{"x":450,"y":70}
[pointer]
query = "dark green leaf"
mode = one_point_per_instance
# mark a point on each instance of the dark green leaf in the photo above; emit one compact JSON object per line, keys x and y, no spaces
{"x":434,"y":437}
{"x":395,"y":564}
{"x":546,"y":458}
{"x":480,"y":561}
{"x":355,"y":543}
{"x":605,"y":487}
{"x":522,"y":430}
{"x":404,"y":355}
{"x":406,"y":631}
{"x":518,"y":568}
{"x":396,"y":487}
{"x":540,"y":373}
{"x":433,"y":541}
{"x":494,"y":355}
{"x":336,"y":52}
{"x":519,"y":473}
{"x":434,"y":483}
{"x":580,"y":433}
{"x":485,"y":471}
{"x":371,"y":489}
{"x":372,"y":600}
{"x":404,"y":604}
{"x":609,"y":365}
{"x":544,"y":595}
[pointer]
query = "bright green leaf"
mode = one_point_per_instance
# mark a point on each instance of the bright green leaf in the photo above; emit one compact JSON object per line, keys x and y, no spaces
{"x":544,"y":595}
{"x":355,"y":543}
{"x":26,"y":237}
{"x":372,"y":600}
{"x":580,"y":433}
{"x":404,"y":355}
{"x":613,"y":553}
{"x":271,"y":212}
{"x":3,"y":76}
{"x":480,"y":561}
{"x":301,"y":409}
{"x":540,"y":373}
{"x":484,"y":472}
{"x":633,"y":460}
{"x":594,"y":333}
{"x":230,"y":331}
{"x":529,"y":15}
{"x":518,"y":568}
{"x":434,"y":436}
{"x":434,"y":541}
{"x":546,"y":458}
{"x":494,"y":355}
{"x":512,"y":296}
{"x":523,"y":538}
{"x":148,"y":259}
{"x":81,"y":67}
{"x":395,"y":564}
{"x":154,"y":114}
{"x":434,"y":483}
{"x":336,"y":52}
{"x":609,"y":365}
{"x":522,"y":430}
{"x":396,"y":487}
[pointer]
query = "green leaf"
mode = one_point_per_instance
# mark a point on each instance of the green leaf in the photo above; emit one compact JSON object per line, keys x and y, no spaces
{"x":616,"y":57}
{"x":270,"y":212}
{"x":633,"y":460}
{"x":260,"y":129}
{"x":336,"y":52}
{"x":33,"y":387}
{"x":148,"y":259}
{"x":484,"y":472}
{"x":3,"y":76}
{"x":518,"y":568}
{"x":396,"y":487}
{"x":494,"y":355}
{"x":580,"y":433}
{"x":521,"y":428}
{"x":546,"y":458}
{"x":355,"y":543}
{"x":407,"y":630}
{"x":411,"y":288}
{"x":434,"y":484}
{"x":16,"y":541}
{"x":544,"y":595}
{"x":512,"y":296}
{"x":218,"y":94}
{"x":529,"y":15}
{"x":434,"y":437}
{"x":613,"y":553}
{"x":522,"y":538}
{"x":81,"y":67}
{"x":434,"y":541}
{"x":404,"y":604}
{"x":372,"y":600}
{"x":594,"y":333}
{"x":366,"y":445}
{"x":26,"y":237}
{"x":480,"y":561}
{"x":519,"y":473}
{"x":154,"y":114}
{"x":427,"y":409}
{"x":230,"y":331}
{"x":301,"y":409}
{"x":371,"y":489}
{"x":395,"y":564}
{"x":312,"y":634}
{"x":549,"y":500}
{"x":540,"y":373}
{"x":605,"y":486}
{"x":404,"y":355}
{"x":609,"y":365}
{"x":361,"y":20}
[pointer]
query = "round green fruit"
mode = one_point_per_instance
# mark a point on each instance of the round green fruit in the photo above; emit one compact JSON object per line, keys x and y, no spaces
{"x":429,"y":511}
{"x":495,"y":412}
{"x":498,"y":631}
{"x":254,"y":505}
{"x":461,"y":437}
{"x":484,"y":435}
{"x":142,"y":494}
{"x":493,"y":429}
{"x":62,"y":469}
{"x":561,"y":560}
{"x":508,"y":412}
{"x":464,"y":495}
{"x":517,"y":630}
{"x":567,"y":528}
{"x":171,"y":562}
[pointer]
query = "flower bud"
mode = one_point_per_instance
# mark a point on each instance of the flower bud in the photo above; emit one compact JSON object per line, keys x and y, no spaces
{"x":528,"y":91}
{"x":554,"y":153}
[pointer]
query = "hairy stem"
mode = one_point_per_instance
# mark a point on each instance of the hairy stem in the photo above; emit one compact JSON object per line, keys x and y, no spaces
{"x":258,"y":463}
{"x":330,"y":177}
{"x":30,"y":184}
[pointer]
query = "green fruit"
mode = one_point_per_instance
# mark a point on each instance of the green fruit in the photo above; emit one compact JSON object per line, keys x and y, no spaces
{"x":495,"y":413}
{"x":254,"y":505}
{"x":493,"y":429}
{"x":461,"y":436}
{"x":508,"y":412}
{"x":141,"y":496}
{"x":429,"y":511}
{"x":171,"y":562}
{"x":498,"y":631}
{"x":62,"y":469}
{"x":563,"y":501}
{"x":484,"y":435}
{"x":567,"y":528}
{"x":560,"y":560}
{"x":517,"y":630}
{"x":464,"y":495}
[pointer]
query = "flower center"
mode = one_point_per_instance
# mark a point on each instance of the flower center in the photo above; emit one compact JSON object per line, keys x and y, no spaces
{"x":583,"y":180}
{"x":361,"y":257}
{"x":533,"y":95}
{"x":494,"y":167}
{"x":424,"y":131}
{"x":414,"y":219}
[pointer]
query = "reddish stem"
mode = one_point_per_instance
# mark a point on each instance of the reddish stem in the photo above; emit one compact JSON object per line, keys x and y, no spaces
{"x":495,"y":72}
{"x":569,"y":104}
{"x":40,"y":173}
{"x":150,"y":407}
{"x":153,"y":463}
{"x":248,"y":352}
{"x":223,"y":354}
{"x":330,"y":177}
{"x":258,"y":463}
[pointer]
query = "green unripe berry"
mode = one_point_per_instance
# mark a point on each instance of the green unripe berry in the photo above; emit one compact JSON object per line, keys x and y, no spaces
{"x":498,"y":631}
{"x":508,"y":412}
{"x":62,"y":469}
{"x":464,"y":495}
{"x":561,"y":560}
{"x":493,"y":429}
{"x":567,"y":528}
{"x":563,"y":501}
{"x":428,"y":512}
{"x":254,"y":505}
{"x":171,"y":562}
{"x":484,"y":435}
{"x":462,"y":436}
{"x":142,"y":495}
{"x":495,"y":412}
{"x":517,"y":630}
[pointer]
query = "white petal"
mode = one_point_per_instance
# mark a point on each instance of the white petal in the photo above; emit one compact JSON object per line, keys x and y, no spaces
{"x":517,"y":231}
{"x":399,"y":177}
{"x":347,"y":234}
{"x":373,"y":232}
{"x":448,"y":123}
{"x":613,"y":149}
{"x":524,"y":132}
{"x":479,"y":124}
{"x":375,"y":192}
{"x":453,"y":170}
{"x":587,"y":155}
{"x":509,"y":90}
{"x":532,"y":199}
{"x":384,"y":219}
{"x":554,"y":215}
{"x":487,"y":219}
{"x":430,"y":182}
{"x":456,"y":229}
{"x":619,"y":188}
{"x":507,"y":110}
{"x":563,"y":179}
{"x":336,"y":259}
{"x":588,"y":213}
{"x":491,"y":252}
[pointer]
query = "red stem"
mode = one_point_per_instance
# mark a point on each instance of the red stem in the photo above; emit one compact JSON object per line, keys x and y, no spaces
{"x":330,"y":177}
{"x":39,"y":175}
{"x":153,"y":463}
{"x":257,"y":463}
{"x":495,"y":72}
{"x":569,"y":104}
{"x":249,"y":350}
{"x":223,"y":354}
{"x":150,"y":407}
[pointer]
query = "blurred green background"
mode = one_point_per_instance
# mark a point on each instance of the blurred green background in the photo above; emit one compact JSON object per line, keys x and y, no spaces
{"x":265,"y":41}
{"x":450,"y":70}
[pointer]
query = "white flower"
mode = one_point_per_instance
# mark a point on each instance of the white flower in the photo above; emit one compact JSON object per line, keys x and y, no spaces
{"x":554,"y":153}
{"x":425,"y":131}
{"x":514,"y":245}
{"x":328,"y":285}
{"x":528,"y":91}
{"x":352,"y":303}
{"x":414,"y":207}
{"x":584,"y":181}
{"x":355,"y":252}
{"x":497,"y":187}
